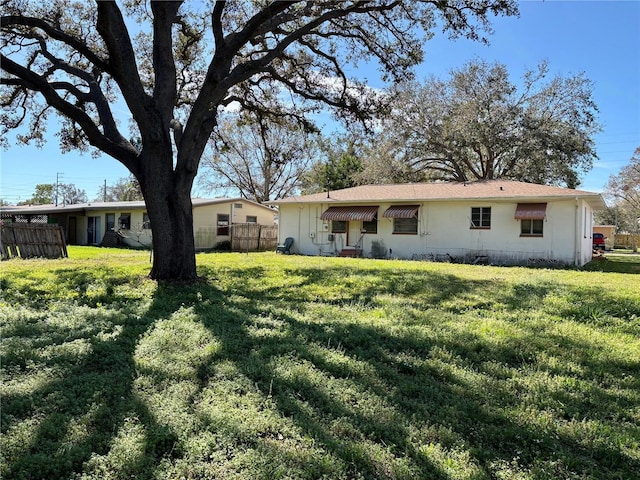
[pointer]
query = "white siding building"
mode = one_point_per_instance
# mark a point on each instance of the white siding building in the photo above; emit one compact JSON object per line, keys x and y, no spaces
{"x":87,"y":223}
{"x":496,"y":221}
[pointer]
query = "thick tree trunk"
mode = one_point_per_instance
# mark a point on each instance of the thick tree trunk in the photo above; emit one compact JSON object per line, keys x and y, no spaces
{"x":167,"y":196}
{"x":173,"y":243}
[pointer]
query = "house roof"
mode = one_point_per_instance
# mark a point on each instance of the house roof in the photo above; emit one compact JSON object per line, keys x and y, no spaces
{"x":110,"y":206}
{"x":495,"y":190}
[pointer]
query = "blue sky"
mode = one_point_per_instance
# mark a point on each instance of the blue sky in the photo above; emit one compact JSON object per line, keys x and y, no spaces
{"x":599,"y":38}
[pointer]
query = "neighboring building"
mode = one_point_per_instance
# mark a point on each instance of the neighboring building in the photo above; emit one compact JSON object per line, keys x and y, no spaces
{"x":496,"y":221}
{"x":87,"y":223}
{"x":609,"y":232}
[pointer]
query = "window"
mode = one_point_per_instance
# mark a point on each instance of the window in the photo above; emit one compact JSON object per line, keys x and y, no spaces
{"x":146,"y":223}
{"x":125,"y":221}
{"x":405,"y":218}
{"x":223,"y":224}
{"x":531,"y":228}
{"x":480,"y":217}
{"x":407,"y":226}
{"x":110,"y":221}
{"x":370,"y":227}
{"x":338,"y":226}
{"x":252,"y":219}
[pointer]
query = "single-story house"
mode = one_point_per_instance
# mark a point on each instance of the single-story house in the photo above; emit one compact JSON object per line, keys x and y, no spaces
{"x":87,"y":223}
{"x":495,"y":221}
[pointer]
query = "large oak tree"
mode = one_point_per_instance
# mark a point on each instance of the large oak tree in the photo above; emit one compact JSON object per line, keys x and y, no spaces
{"x":479,"y":125}
{"x":175,"y":65}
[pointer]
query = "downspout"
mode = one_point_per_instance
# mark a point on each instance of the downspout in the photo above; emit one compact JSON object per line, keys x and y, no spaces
{"x":576,"y":232}
{"x":231,"y":224}
{"x":300,"y":208}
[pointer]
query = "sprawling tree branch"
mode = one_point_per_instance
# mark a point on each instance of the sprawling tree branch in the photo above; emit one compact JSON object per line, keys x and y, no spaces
{"x":115,"y":145}
{"x":122,"y":62}
{"x":478,"y":126}
{"x":177,"y":70}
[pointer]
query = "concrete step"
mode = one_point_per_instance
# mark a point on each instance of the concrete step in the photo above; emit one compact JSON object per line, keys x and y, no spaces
{"x":351,"y":252}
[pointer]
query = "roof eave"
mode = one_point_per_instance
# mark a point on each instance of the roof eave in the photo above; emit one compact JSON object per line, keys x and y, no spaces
{"x":595,"y":201}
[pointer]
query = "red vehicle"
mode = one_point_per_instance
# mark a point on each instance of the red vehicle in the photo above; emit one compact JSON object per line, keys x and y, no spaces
{"x":598,"y":241}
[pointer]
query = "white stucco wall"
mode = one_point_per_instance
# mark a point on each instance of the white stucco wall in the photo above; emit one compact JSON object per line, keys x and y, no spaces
{"x":204,"y":223}
{"x":137,"y":235}
{"x":444,"y":229}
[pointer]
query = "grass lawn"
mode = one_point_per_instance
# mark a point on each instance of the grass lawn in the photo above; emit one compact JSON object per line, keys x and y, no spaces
{"x":306,"y":368}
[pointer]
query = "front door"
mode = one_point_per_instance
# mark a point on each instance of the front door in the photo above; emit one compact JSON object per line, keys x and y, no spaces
{"x":72,"y":237}
{"x":353,"y":227}
{"x":93,"y":230}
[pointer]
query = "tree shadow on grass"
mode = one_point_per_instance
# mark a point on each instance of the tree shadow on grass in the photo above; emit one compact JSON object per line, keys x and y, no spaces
{"x":421,"y":386}
{"x":274,"y":391}
{"x":83,"y":369}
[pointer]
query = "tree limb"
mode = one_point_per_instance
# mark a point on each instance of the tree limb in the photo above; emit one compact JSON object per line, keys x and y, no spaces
{"x":70,"y":40}
{"x":116,"y":146}
{"x":122,"y":62}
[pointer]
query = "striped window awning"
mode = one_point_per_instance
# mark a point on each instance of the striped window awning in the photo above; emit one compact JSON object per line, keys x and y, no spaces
{"x":401,"y":211}
{"x":531,"y":211}
{"x":347,"y":214}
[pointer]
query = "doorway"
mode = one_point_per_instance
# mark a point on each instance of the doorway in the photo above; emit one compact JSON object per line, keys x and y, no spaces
{"x":93,"y":230}
{"x":72,"y":237}
{"x":354,"y":231}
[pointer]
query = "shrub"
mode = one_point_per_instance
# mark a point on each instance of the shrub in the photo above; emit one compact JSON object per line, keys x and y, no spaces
{"x":378,"y":249}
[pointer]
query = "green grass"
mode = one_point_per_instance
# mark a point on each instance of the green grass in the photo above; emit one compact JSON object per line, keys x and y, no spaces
{"x":307,"y":368}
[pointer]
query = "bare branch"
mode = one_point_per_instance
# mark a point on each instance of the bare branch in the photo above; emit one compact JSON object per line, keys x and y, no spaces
{"x":72,"y":41}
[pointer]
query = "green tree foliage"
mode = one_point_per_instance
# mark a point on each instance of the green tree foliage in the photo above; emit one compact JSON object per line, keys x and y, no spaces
{"x":612,"y":215}
{"x":43,"y":194}
{"x":623,"y":191}
{"x":174,"y":66}
{"x":65,"y":194}
{"x":258,"y":158}
{"x":339,"y":167}
{"x":124,"y":190}
{"x":478,"y":125}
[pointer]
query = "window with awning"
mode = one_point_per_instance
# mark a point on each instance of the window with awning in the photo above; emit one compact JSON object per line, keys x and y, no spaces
{"x":401,"y":211}
{"x":531,"y":211}
{"x":351,"y":213}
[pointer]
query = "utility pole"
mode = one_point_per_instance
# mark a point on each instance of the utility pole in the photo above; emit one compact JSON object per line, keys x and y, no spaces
{"x":104,"y":192}
{"x":58,"y":175}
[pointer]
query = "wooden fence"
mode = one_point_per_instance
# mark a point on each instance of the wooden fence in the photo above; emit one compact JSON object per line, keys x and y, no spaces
{"x":251,"y":237}
{"x":32,"y":240}
{"x":626,"y":240}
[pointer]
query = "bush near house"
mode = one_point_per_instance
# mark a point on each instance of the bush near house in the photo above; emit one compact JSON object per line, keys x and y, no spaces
{"x":305,"y":368}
